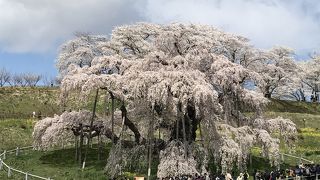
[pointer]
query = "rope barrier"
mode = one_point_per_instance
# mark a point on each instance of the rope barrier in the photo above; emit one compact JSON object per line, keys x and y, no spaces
{"x":300,"y":158}
{"x":3,"y":165}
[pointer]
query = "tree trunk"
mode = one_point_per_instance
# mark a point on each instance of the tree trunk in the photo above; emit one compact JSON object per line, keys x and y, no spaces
{"x":76,"y":148}
{"x":177,"y":126}
{"x":131,"y":125}
{"x":80,"y":147}
{"x":191,"y":123}
{"x":109,"y":134}
{"x":184,"y":131}
{"x":267,"y":91}
{"x":267,"y":95}
{"x":112,"y":116}
{"x":106,"y":105}
{"x":120,"y":140}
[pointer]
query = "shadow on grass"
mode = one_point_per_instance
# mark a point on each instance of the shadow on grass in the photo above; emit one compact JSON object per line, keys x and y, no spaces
{"x":94,"y":167}
{"x":66,"y":157}
{"x":263,"y":164}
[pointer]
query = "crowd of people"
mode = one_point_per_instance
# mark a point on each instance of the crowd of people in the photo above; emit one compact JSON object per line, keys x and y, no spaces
{"x":205,"y":176}
{"x":302,"y":171}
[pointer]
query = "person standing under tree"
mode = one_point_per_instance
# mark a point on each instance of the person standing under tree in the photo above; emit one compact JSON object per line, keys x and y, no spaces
{"x":240,"y":177}
{"x":245,"y":175}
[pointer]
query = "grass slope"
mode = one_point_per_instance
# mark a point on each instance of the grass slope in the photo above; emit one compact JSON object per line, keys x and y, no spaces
{"x":306,"y":116}
{"x":15,"y":133}
{"x":293,"y":107}
{"x":58,"y":164}
{"x":20,"y":102}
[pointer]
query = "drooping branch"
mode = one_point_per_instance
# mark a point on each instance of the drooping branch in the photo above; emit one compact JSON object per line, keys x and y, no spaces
{"x":109,"y":134}
{"x":192,"y":121}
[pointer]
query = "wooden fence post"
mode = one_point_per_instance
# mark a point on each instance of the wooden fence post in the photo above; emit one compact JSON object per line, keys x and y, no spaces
{"x":300,"y":158}
{"x":1,"y":164}
{"x":4,"y":155}
{"x":26,"y":178}
{"x":86,"y":141}
{"x":9,"y":172}
{"x":17,"y":151}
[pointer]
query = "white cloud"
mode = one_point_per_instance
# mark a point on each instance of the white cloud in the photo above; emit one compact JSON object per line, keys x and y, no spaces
{"x":39,"y":25}
{"x":266,"y":22}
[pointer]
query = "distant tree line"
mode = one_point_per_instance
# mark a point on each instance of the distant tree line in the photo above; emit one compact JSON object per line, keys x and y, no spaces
{"x":26,"y":79}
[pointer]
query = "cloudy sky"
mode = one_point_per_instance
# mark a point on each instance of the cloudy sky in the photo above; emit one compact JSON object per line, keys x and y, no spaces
{"x":32,"y":30}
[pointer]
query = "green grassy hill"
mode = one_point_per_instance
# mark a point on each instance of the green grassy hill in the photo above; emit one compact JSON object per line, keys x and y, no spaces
{"x":293,"y":107}
{"x":18,"y":102}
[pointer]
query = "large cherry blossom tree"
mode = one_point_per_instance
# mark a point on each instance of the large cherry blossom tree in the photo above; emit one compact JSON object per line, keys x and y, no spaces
{"x":176,"y":79}
{"x":311,"y":77}
{"x":278,"y":70}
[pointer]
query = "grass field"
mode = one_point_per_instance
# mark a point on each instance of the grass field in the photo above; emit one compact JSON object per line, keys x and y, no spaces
{"x":293,"y":107}
{"x":307,"y":118}
{"x":15,"y":132}
{"x":60,"y":164}
{"x":20,"y":102}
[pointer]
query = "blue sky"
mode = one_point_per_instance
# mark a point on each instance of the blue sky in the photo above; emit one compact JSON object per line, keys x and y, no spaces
{"x":32,"y":30}
{"x":40,"y":63}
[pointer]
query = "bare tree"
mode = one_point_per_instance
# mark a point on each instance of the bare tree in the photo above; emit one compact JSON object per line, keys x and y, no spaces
{"x":311,"y":77}
{"x":5,"y":77}
{"x":31,"y":79}
{"x":58,"y":81}
{"x":48,"y":81}
{"x":18,"y":80}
